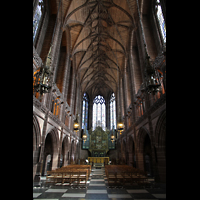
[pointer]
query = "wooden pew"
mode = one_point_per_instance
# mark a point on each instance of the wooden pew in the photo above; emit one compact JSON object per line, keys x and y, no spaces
{"x":72,"y":174}
{"x":124,"y":174}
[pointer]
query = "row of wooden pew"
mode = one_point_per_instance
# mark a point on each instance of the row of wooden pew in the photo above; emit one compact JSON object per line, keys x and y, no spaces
{"x":70,"y":174}
{"x":124,"y":174}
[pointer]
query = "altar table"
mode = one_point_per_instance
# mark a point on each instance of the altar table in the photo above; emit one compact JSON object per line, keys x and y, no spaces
{"x":98,"y":159}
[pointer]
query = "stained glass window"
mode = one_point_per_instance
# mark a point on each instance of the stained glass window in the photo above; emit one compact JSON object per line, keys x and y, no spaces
{"x":37,"y":17}
{"x":99,"y":112}
{"x":112,"y":112}
{"x":85,"y":111}
{"x":85,"y":145}
{"x":161,"y":20}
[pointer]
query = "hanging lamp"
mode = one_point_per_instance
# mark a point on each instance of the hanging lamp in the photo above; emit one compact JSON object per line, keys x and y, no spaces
{"x":120,"y":122}
{"x":76,"y":124}
{"x":42,"y":79}
{"x":120,"y":125}
{"x":112,"y":137}
{"x":152,"y":81}
{"x":84,"y":137}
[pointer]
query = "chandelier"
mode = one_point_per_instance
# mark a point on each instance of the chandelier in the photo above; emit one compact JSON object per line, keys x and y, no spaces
{"x":152,"y":81}
{"x":76,"y":124}
{"x":41,"y":78}
{"x":120,"y":125}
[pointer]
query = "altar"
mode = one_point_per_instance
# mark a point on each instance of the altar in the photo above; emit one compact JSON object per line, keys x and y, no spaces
{"x":98,"y":160}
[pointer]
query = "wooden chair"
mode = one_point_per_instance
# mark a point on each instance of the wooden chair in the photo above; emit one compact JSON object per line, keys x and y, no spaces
{"x":127,"y":178}
{"x":119,"y":178}
{"x":67,"y":177}
{"x":50,"y":177}
{"x":111,"y":176}
{"x":58,"y":176}
{"x":75,"y":178}
{"x":83,"y":177}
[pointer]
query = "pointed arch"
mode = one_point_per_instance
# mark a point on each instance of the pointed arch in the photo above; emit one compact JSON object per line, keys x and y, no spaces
{"x":160,"y":131}
{"x":36,"y":131}
{"x":53,"y":134}
{"x":141,"y":137}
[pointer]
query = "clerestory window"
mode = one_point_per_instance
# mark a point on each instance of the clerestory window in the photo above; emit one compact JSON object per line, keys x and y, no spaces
{"x":37,"y":17}
{"x":161,"y":21}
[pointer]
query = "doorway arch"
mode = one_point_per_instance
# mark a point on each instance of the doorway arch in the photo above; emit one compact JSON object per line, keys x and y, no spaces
{"x":65,"y":151}
{"x":36,"y":144}
{"x":160,"y":148}
{"x":144,"y":151}
{"x":132,"y":156}
{"x":72,"y":152}
{"x":51,"y":148}
{"x":147,"y":155}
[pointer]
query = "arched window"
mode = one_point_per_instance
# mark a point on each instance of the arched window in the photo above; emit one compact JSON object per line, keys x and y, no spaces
{"x":85,"y":111}
{"x":112,"y":112}
{"x":37,"y":17}
{"x":161,"y":21}
{"x":99,"y":112}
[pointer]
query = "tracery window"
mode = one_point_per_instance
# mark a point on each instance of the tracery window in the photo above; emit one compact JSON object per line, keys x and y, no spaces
{"x":161,"y":21}
{"x":85,"y":111}
{"x":37,"y":17}
{"x":112,"y":112}
{"x":99,"y":112}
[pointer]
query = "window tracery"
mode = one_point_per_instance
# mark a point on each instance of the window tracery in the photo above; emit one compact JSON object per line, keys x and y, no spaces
{"x":37,"y":17}
{"x":99,"y":112}
{"x":161,"y":21}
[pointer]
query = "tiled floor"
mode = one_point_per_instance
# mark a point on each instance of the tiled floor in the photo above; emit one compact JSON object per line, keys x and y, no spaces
{"x":97,"y":188}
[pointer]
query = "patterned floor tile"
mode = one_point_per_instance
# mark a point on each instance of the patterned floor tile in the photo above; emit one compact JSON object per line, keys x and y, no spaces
{"x":121,"y":196}
{"x":160,"y":196}
{"x":137,"y":191}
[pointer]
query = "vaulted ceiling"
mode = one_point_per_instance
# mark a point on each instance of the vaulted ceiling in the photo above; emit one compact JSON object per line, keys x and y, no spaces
{"x":100,"y":38}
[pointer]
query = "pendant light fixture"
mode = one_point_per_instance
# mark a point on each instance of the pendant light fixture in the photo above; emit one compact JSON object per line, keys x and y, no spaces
{"x":120,"y":122}
{"x":112,"y":137}
{"x":76,"y":124}
{"x":120,"y":125}
{"x":42,"y":79}
{"x":84,"y":137}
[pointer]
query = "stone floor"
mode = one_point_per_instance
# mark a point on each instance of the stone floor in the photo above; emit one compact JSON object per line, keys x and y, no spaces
{"x":97,"y":188}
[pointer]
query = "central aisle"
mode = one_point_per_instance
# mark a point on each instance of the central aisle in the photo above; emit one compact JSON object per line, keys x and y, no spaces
{"x":97,"y":187}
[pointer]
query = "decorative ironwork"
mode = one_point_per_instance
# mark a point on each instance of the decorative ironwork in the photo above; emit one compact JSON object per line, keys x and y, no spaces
{"x":42,"y":77}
